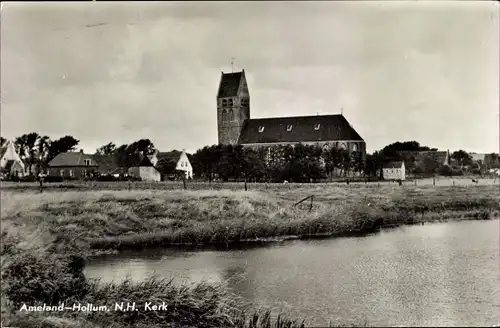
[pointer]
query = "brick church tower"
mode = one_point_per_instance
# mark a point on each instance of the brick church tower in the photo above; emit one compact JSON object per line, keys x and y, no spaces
{"x":233,"y":107}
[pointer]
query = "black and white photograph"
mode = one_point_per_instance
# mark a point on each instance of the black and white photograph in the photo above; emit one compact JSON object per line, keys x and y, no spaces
{"x":250,"y":164}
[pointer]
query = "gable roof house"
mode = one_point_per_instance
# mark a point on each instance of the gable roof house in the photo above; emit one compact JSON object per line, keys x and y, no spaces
{"x":179,"y":157}
{"x":235,"y":126}
{"x":10,"y":161}
{"x":73,"y":165}
{"x":144,"y":169}
{"x":394,"y":170}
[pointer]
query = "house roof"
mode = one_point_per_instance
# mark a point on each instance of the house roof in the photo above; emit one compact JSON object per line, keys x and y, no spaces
{"x":70,"y":159}
{"x":393,"y":165}
{"x":303,"y":129}
{"x":3,"y":150}
{"x":229,"y":84}
{"x":438,"y":156}
{"x":107,"y":164}
{"x":173,"y":155}
{"x":4,"y":147}
{"x":9,"y":164}
{"x":145,"y":162}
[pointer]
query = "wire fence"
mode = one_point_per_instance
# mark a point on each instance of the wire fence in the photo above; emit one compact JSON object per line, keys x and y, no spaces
{"x":203,"y":185}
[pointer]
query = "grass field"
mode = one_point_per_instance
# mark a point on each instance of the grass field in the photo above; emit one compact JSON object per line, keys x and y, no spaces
{"x":45,"y":234}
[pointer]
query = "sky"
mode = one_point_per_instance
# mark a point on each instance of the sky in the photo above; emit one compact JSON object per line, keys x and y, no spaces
{"x":399,"y":71}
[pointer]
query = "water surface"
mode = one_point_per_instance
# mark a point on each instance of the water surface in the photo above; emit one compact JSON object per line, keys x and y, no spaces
{"x":445,"y":274}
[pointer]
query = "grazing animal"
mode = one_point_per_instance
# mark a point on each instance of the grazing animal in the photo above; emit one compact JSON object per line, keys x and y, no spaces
{"x":285,"y":182}
{"x":475,"y":181}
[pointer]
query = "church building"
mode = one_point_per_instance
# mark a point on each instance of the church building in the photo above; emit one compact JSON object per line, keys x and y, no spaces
{"x":235,"y":126}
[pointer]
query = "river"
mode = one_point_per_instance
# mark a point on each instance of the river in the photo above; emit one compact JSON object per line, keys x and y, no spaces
{"x":445,"y":274}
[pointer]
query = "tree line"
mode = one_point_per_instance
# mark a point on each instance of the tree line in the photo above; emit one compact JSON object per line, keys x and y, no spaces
{"x":299,"y":163}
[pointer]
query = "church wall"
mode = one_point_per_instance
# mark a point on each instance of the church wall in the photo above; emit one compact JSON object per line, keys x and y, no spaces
{"x":361,"y":146}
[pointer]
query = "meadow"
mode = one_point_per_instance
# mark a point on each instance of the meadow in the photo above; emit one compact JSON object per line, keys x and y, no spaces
{"x":46,"y":237}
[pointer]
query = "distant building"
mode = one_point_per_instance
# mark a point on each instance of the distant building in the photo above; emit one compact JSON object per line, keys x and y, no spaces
{"x":73,"y":165}
{"x":492,"y":161}
{"x":394,"y":171}
{"x":179,"y":157}
{"x":145,"y":170}
{"x":235,"y":127}
{"x":10,"y":161}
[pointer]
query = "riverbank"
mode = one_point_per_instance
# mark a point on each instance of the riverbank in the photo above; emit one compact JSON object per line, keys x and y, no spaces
{"x":114,"y":220}
{"x":48,"y":232}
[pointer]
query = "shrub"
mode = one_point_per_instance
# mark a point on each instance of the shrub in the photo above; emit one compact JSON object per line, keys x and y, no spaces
{"x":33,"y":278}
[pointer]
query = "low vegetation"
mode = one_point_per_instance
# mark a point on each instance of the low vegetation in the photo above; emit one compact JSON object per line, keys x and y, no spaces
{"x":45,"y":237}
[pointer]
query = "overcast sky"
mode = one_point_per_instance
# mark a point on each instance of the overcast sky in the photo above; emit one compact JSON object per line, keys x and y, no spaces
{"x":424,"y":71}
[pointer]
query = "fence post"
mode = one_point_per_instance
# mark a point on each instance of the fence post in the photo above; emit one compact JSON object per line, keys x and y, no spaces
{"x":184,"y":182}
{"x":312,"y":199}
{"x":129,"y":185}
{"x":246,"y":184}
{"x":415,"y":182}
{"x":453,"y":181}
{"x":433,"y":181}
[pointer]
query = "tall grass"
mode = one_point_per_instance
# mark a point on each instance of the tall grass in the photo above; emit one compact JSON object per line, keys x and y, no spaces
{"x":138,"y":219}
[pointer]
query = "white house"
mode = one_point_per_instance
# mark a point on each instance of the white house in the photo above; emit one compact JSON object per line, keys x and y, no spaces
{"x":10,"y":161}
{"x":145,"y":170}
{"x":179,"y":157}
{"x":394,"y":171}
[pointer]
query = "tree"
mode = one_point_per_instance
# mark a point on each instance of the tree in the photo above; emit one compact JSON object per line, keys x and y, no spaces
{"x":462,"y":157}
{"x":61,"y":145}
{"x":431,"y":164}
{"x":2,"y":141}
{"x":31,"y":143}
{"x":43,"y":151}
{"x":166,"y":166}
{"x":21,"y":146}
{"x":357,"y":161}
{"x":392,"y":151}
{"x":252,"y":166}
{"x":143,"y":146}
{"x":345,"y":161}
{"x":107,"y":149}
{"x":126,"y":155}
{"x":332,"y":160}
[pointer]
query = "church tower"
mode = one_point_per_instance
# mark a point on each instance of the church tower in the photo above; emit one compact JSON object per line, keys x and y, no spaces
{"x":233,"y":106}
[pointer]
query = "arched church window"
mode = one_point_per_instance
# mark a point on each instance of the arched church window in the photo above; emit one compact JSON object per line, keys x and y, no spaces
{"x":224,"y":115}
{"x":230,"y":115}
{"x":224,"y":102}
{"x":343,"y":146}
{"x":230,"y":102}
{"x":354,"y":147}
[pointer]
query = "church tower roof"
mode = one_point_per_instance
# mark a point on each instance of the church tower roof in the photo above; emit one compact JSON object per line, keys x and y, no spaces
{"x":229,"y":84}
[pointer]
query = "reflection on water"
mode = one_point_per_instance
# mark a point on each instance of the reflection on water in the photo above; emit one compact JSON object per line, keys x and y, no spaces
{"x":440,"y":274}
